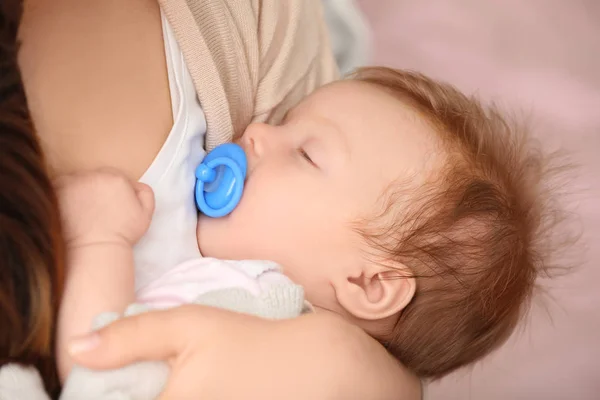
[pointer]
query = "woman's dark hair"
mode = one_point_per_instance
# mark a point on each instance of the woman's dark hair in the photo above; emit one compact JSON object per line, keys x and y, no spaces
{"x":31,"y":248}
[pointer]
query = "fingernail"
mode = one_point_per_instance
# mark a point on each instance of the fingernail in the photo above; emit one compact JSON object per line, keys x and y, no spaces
{"x":84,"y":344}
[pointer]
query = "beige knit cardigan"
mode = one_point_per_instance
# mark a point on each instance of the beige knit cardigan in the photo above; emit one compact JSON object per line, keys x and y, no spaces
{"x":251,"y":60}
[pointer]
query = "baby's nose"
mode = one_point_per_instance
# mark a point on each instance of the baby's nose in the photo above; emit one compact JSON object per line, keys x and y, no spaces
{"x":255,"y":140}
{"x":251,"y":147}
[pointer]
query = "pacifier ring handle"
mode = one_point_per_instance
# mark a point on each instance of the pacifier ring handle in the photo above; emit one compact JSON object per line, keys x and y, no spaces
{"x":206,"y":173}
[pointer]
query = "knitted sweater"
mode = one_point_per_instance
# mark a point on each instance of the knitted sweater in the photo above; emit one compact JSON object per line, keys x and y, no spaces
{"x":251,"y":60}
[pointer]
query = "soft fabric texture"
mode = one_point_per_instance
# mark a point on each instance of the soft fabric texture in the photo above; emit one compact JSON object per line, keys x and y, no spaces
{"x":186,"y":282}
{"x":21,"y":383}
{"x":246,"y":60}
{"x":252,"y":287}
{"x":171,"y":237}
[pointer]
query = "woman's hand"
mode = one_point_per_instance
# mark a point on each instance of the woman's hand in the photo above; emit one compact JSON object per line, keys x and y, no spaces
{"x":218,"y":354}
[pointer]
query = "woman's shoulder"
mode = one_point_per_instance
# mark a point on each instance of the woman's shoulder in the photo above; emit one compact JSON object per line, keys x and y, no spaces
{"x":18,"y":382}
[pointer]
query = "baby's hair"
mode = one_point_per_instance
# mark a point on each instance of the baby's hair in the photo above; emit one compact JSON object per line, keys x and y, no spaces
{"x":471,"y":236}
{"x":31,"y":248}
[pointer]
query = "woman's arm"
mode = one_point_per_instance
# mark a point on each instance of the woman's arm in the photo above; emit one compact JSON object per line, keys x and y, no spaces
{"x":364,"y":360}
{"x":214,"y":353}
{"x":344,"y":361}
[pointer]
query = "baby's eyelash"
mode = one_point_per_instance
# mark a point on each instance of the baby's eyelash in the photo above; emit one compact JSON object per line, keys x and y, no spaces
{"x":305,"y":155}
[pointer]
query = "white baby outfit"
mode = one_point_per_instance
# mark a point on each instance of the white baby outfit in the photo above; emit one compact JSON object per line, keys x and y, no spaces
{"x":171,"y":238}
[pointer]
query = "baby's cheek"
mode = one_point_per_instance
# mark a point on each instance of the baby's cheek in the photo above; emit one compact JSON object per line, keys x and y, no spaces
{"x":198,"y":233}
{"x":213,"y":238}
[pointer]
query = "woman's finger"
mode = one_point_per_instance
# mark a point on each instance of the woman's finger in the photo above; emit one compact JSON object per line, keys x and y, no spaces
{"x":154,"y":335}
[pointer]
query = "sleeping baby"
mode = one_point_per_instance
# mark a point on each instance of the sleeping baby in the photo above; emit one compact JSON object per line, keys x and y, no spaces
{"x":389,"y":199}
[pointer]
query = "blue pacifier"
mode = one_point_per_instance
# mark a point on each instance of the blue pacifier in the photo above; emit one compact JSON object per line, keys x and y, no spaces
{"x":220,"y":180}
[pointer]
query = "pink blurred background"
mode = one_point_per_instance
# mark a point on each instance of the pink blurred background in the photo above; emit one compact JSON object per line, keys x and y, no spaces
{"x":542,"y":57}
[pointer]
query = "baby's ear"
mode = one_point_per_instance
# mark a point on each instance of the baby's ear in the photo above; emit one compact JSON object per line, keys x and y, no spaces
{"x":377,"y":293}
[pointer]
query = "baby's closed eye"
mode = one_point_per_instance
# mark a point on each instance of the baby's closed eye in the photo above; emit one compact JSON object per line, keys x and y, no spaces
{"x":304,"y":154}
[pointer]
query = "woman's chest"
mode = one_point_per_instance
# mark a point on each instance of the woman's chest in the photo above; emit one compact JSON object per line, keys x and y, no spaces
{"x":97,"y":83}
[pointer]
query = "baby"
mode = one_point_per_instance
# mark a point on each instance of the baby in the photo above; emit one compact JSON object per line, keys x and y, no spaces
{"x":393,"y":200}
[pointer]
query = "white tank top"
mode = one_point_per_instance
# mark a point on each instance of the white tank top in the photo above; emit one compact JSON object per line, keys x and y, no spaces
{"x":171,"y":238}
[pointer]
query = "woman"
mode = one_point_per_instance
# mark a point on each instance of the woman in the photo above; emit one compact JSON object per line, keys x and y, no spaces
{"x":101,"y":94}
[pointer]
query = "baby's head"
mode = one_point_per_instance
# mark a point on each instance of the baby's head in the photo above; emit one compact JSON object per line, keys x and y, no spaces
{"x":399,"y":203}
